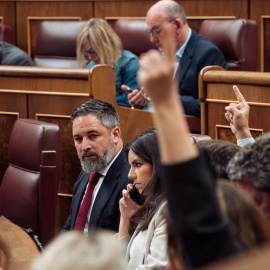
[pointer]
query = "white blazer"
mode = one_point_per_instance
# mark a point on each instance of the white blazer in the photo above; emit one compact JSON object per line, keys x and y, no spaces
{"x":150,"y":249}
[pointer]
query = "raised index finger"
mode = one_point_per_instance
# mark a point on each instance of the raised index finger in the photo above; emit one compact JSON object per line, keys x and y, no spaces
{"x":238,"y":94}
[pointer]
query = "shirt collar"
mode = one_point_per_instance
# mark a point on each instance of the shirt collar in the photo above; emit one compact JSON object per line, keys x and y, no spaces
{"x":180,"y":52}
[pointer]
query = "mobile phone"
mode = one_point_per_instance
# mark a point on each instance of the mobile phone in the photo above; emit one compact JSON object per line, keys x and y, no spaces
{"x":135,"y":195}
{"x":127,"y":89}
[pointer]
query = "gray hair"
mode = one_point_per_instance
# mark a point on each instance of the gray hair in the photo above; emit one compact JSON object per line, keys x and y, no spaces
{"x":252,"y":163}
{"x":175,"y":11}
{"x":101,"y":109}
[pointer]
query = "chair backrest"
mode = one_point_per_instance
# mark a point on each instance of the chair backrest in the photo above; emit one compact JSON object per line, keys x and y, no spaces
{"x":237,"y":39}
{"x":6,"y":33}
{"x":57,"y":41}
{"x":29,"y":186}
{"x":133,"y":35}
{"x":56,"y":44}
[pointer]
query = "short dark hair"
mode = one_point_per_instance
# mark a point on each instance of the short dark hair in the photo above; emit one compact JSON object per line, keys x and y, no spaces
{"x":145,"y":146}
{"x":101,"y":109}
{"x":220,"y":153}
{"x":252,"y":163}
{"x":174,"y":11}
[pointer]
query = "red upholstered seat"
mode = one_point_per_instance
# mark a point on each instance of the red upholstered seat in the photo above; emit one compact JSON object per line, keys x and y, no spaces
{"x":237,"y":39}
{"x":133,"y":35}
{"x":6,"y":33}
{"x":29,"y":186}
{"x":56,"y":44}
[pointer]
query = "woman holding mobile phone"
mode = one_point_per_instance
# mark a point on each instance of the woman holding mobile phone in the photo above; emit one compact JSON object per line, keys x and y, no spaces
{"x":97,"y":43}
{"x":143,"y":227}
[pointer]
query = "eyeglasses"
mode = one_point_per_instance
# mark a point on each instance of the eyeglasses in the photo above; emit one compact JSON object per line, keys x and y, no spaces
{"x":89,"y":52}
{"x":156,"y":30}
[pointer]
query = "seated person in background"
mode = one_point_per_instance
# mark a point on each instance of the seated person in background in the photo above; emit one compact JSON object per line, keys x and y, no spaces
{"x":98,"y":251}
{"x":97,"y":43}
{"x":237,"y":114}
{"x":205,"y":236}
{"x":192,"y":53}
{"x":220,"y":153}
{"x":13,"y":56}
{"x":250,"y":225}
{"x":142,"y":227}
{"x":99,"y":145}
{"x":250,"y":169}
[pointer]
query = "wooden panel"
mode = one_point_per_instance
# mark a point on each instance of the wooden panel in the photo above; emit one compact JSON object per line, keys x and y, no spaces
{"x":265,"y":43}
{"x":259,"y":8}
{"x":26,"y":9}
{"x":215,"y":92}
{"x":238,"y":8}
{"x":7,"y":121}
{"x":224,"y":133}
{"x":7,"y":13}
{"x":122,"y":8}
{"x":11,"y":108}
{"x":33,"y":24}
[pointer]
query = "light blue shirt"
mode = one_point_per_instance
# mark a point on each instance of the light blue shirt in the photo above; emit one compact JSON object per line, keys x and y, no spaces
{"x":180,"y":52}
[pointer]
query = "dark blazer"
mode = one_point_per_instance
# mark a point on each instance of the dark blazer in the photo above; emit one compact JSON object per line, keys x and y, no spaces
{"x":198,"y":53}
{"x":204,"y":234}
{"x":105,"y":212}
{"x":11,"y":55}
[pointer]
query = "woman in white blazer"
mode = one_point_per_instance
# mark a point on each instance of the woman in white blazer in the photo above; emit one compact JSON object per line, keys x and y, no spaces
{"x":143,"y":227}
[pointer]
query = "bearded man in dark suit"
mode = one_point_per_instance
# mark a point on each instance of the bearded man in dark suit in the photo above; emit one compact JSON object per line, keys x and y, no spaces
{"x":97,"y":138}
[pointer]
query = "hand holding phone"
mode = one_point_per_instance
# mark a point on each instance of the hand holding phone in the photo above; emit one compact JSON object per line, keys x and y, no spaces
{"x":126,"y":89}
{"x":135,"y":195}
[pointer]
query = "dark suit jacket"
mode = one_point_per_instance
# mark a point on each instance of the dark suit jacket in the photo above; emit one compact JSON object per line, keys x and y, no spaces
{"x":198,"y":53}
{"x":105,"y":212}
{"x":11,"y":55}
{"x":205,"y":236}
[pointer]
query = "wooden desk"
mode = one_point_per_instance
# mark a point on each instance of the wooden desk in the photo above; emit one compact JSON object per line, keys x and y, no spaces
{"x":215,"y":92}
{"x":17,"y":249}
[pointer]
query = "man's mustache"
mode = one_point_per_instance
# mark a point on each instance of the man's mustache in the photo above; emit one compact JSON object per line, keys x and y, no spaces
{"x":89,"y":154}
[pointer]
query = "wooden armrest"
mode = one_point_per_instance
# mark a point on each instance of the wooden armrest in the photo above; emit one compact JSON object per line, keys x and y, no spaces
{"x":17,"y":249}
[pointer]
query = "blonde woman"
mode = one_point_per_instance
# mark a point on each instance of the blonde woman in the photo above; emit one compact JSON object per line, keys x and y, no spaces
{"x":97,"y":43}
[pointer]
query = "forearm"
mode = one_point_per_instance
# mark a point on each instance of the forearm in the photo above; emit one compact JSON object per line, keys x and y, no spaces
{"x":123,"y":227}
{"x":243,"y":134}
{"x":171,"y":124}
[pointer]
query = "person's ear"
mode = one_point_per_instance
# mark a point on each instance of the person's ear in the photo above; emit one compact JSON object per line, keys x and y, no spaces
{"x":178,"y":24}
{"x":116,"y":134}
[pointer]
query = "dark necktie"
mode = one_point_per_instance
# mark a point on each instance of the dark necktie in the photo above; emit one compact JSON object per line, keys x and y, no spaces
{"x":84,"y":209}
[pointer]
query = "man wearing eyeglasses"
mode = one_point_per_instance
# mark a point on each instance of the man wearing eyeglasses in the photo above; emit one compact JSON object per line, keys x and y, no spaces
{"x":193,"y":52}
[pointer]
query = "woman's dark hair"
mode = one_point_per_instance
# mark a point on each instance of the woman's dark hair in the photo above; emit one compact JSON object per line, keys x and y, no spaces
{"x":145,"y":146}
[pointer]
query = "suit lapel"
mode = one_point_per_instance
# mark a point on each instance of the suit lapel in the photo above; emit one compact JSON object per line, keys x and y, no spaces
{"x":107,"y":188}
{"x":186,"y":60}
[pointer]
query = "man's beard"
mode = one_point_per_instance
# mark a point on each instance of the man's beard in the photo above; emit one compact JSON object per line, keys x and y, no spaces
{"x":100,"y":162}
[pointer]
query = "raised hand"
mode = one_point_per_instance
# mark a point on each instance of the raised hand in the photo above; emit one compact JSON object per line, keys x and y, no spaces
{"x":237,"y":114}
{"x":156,"y":71}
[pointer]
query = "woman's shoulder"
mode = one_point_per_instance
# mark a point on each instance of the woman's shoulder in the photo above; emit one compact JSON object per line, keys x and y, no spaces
{"x":161,"y":211}
{"x":128,"y":54}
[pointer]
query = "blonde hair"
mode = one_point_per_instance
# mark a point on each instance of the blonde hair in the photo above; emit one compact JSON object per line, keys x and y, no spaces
{"x":103,"y":39}
{"x":72,"y":250}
